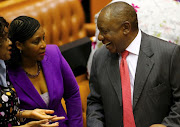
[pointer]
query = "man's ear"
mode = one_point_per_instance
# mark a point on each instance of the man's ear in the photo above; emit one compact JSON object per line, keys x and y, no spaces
{"x":19,"y":45}
{"x":126,"y":27}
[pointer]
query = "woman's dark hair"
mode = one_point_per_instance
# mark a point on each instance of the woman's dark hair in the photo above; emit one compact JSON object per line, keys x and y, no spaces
{"x":21,"y":29}
{"x":3,"y":24}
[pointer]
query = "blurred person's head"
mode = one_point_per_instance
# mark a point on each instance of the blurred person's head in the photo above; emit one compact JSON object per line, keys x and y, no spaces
{"x":5,"y":43}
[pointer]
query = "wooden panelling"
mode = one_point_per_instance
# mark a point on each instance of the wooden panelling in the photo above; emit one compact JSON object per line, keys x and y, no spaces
{"x":96,"y":6}
{"x":5,"y":3}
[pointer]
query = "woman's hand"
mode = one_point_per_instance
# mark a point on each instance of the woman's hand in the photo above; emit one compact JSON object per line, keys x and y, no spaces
{"x":41,"y":114}
{"x":41,"y":123}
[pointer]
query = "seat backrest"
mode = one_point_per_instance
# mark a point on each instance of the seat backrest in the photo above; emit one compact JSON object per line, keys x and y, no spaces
{"x":5,"y":3}
{"x":62,"y":20}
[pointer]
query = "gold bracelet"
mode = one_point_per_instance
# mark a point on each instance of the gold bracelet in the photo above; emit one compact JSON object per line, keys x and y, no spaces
{"x":20,"y":115}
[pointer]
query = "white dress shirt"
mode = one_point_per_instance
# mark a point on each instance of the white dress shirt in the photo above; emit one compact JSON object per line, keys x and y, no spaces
{"x":132,"y":59}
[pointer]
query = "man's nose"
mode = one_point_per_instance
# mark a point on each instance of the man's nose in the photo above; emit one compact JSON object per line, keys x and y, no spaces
{"x":100,"y":37}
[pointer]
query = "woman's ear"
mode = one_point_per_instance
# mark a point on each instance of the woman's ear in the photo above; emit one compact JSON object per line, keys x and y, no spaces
{"x":19,"y":45}
{"x":126,"y":27}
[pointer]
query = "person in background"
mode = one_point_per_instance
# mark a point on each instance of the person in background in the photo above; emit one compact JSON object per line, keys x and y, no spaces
{"x":40,"y":74}
{"x":156,"y":17}
{"x":10,"y":115}
{"x":134,"y":79}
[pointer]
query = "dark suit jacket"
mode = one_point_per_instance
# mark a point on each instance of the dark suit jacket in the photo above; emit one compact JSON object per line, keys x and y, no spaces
{"x":61,"y":83}
{"x":156,"y":97}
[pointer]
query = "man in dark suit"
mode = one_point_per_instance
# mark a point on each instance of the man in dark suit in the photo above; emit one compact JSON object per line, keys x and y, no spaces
{"x":154,"y":72}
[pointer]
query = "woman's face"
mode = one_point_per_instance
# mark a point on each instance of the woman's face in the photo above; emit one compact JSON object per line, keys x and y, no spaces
{"x":5,"y":46}
{"x":34,"y":48}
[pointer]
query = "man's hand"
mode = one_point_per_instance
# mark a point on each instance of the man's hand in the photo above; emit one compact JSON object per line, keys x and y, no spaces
{"x":157,"y":125}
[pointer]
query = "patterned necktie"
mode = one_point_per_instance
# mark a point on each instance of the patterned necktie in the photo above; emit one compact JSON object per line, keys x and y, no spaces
{"x":128,"y":117}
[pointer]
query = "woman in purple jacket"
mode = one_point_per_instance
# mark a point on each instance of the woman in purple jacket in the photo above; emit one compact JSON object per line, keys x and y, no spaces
{"x":40,"y":74}
{"x":10,"y":115}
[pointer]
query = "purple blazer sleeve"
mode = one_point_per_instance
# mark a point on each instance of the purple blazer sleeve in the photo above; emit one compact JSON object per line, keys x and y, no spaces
{"x":71,"y":94}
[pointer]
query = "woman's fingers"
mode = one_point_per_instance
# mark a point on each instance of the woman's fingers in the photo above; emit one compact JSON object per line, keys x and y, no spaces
{"x":50,"y":125}
{"x":46,"y":116}
{"x":36,"y":123}
{"x":42,"y":114}
{"x":56,"y":119}
{"x":41,"y":123}
{"x":49,"y":111}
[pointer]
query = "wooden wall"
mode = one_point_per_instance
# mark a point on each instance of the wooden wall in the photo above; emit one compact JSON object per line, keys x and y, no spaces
{"x":5,"y":3}
{"x":96,"y":6}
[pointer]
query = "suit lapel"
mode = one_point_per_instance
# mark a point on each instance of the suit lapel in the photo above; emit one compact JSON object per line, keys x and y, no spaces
{"x":48,"y":74}
{"x":25,"y":84}
{"x":144,"y":67}
{"x":112,"y":66}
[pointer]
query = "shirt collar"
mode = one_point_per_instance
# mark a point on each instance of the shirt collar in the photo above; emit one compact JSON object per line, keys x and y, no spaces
{"x":3,"y":73}
{"x":2,"y":64}
{"x":135,"y":44}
